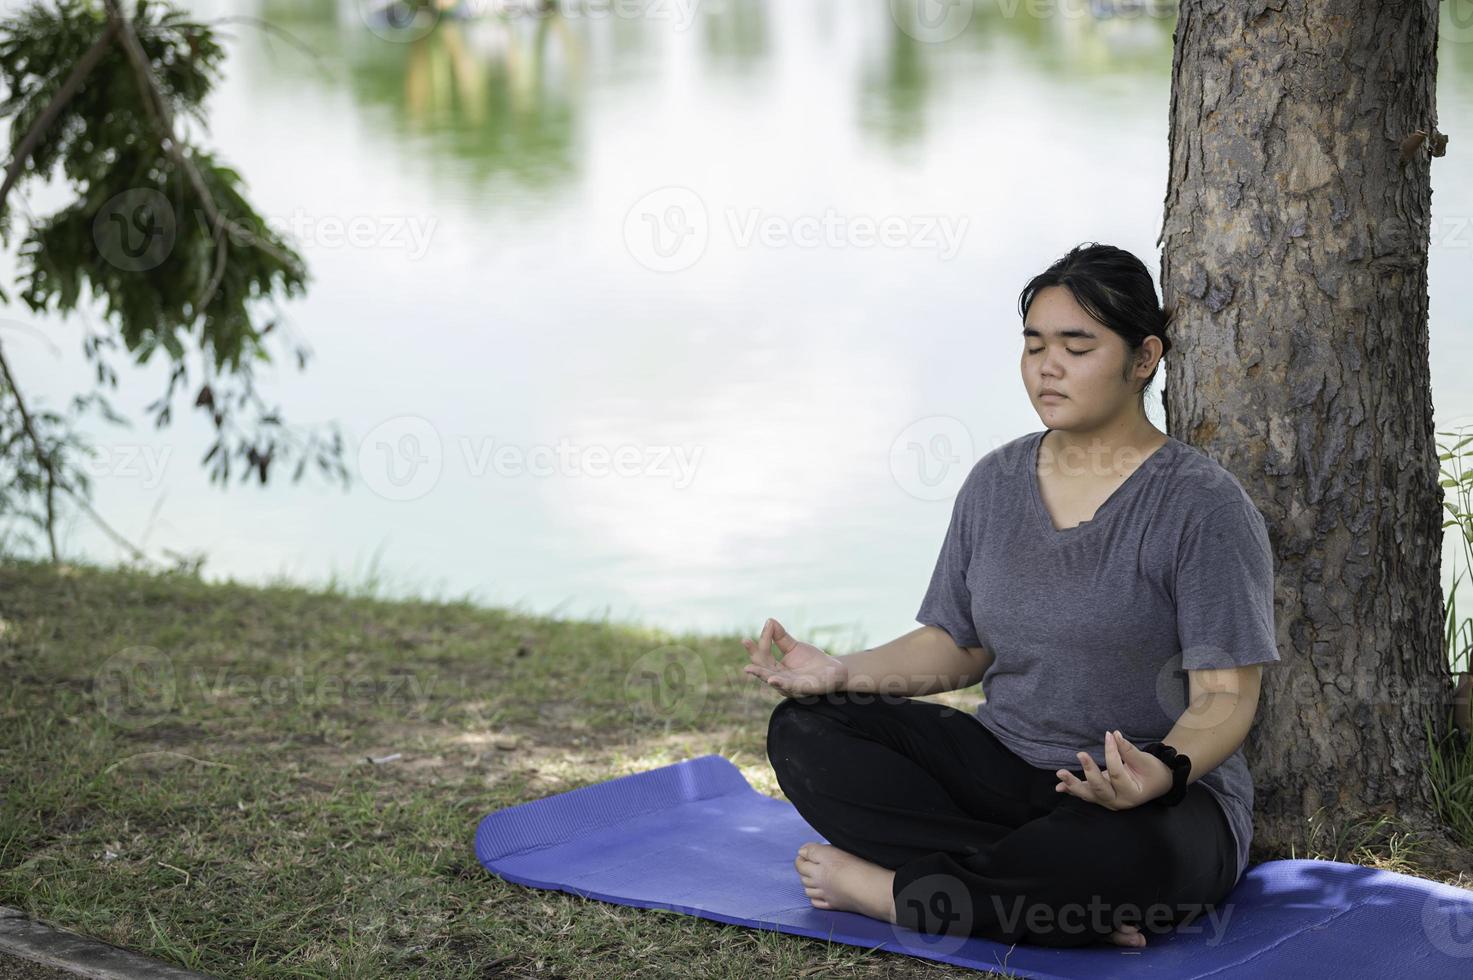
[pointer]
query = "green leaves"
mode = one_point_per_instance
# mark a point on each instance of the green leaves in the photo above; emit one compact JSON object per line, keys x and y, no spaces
{"x":1459,"y":477}
{"x":159,"y":232}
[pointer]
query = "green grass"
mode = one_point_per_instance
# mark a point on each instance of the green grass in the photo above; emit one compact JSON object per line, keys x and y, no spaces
{"x":185,"y":774}
{"x":1451,"y":763}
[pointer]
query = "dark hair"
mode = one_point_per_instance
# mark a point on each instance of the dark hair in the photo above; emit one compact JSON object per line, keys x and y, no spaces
{"x":1115,"y":288}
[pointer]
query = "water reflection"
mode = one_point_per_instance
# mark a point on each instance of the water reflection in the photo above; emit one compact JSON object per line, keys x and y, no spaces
{"x":736,"y":36}
{"x":521,"y":146}
{"x":894,"y":89}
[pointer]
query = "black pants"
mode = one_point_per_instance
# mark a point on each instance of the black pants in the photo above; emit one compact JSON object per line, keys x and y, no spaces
{"x":980,"y":841}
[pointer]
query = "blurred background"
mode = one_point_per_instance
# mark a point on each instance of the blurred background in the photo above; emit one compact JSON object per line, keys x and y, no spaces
{"x":681,"y":313}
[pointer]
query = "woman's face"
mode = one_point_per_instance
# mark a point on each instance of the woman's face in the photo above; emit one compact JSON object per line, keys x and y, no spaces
{"x":1068,"y":351}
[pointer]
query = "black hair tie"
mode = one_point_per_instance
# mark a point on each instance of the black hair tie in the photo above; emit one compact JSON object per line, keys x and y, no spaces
{"x":1181,"y":768}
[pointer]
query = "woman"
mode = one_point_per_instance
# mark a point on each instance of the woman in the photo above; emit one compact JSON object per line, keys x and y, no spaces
{"x":1112,"y":589}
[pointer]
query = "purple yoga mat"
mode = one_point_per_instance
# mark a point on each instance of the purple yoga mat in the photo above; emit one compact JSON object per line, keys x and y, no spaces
{"x":695,"y":837}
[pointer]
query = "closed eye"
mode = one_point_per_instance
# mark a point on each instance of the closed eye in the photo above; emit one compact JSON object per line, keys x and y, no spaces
{"x":1076,"y":353}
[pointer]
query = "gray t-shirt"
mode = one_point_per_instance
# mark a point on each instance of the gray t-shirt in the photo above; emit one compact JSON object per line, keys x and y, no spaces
{"x":1093,"y":627}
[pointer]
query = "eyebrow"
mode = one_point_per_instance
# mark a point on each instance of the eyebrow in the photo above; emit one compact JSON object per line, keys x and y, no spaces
{"x":1066,"y":332}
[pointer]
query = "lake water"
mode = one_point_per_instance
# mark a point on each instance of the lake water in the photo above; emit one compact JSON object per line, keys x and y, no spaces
{"x":688,"y":318}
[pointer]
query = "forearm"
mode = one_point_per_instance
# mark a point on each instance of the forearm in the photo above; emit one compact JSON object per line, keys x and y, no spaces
{"x":923,"y":661}
{"x":1211,"y":729}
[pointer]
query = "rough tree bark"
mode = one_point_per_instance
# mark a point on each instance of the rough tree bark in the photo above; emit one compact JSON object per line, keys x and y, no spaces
{"x":1295,"y":250}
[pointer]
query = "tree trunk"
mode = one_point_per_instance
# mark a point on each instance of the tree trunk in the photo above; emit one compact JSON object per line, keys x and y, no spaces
{"x":1296,"y":255}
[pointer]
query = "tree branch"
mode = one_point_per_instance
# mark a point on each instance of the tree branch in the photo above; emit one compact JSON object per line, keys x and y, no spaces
{"x":137,"y":552}
{"x":268,"y":27}
{"x":53,"y":482}
{"x":40,"y":452}
{"x":158,"y":108}
{"x":63,"y":95}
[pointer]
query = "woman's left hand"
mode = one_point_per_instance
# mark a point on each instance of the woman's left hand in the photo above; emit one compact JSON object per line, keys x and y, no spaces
{"x":1131,"y":777}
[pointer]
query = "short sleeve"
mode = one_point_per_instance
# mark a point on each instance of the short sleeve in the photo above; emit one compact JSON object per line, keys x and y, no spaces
{"x":948,"y":602}
{"x":1224,"y":590}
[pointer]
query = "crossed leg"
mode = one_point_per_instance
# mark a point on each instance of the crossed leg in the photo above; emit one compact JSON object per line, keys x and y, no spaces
{"x":921,"y":798}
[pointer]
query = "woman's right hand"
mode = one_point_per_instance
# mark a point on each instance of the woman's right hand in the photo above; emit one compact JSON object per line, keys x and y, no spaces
{"x":805,"y":669}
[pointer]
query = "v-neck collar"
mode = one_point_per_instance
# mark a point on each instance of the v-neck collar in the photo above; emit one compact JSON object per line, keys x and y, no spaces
{"x":1036,"y":491}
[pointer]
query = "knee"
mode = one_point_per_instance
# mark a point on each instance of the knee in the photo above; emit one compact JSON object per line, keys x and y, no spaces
{"x":791,"y":728}
{"x":782,"y":722}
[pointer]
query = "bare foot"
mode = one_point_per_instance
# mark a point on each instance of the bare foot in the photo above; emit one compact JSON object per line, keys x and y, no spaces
{"x":1128,"y":935}
{"x":835,"y":879}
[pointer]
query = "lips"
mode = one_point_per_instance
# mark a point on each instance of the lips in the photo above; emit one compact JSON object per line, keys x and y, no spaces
{"x":1055,"y":394}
